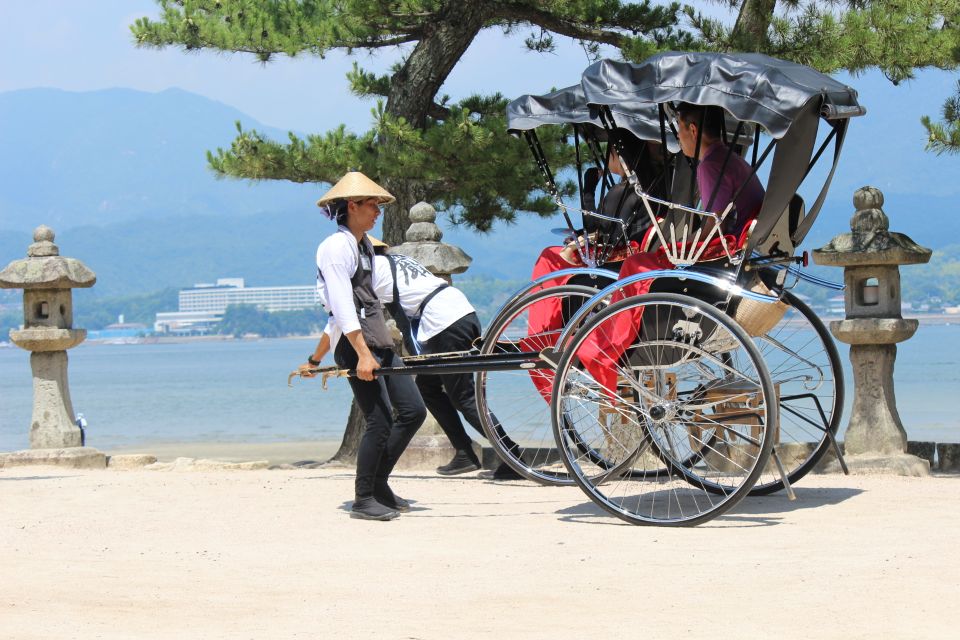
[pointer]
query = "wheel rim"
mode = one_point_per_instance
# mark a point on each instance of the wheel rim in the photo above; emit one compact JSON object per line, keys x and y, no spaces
{"x":808,"y":377}
{"x":691,"y":435}
{"x":512,"y":401}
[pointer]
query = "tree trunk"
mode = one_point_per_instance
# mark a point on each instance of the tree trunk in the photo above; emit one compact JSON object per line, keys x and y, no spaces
{"x":397,"y":218}
{"x":414,"y":87}
{"x":412,"y":92}
{"x":750,"y":29}
{"x":356,"y":425}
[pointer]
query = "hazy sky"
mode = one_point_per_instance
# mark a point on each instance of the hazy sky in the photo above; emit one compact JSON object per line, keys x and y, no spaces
{"x":87,"y":45}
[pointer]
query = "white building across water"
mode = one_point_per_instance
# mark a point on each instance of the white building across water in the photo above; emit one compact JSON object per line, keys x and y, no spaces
{"x":203,"y":305}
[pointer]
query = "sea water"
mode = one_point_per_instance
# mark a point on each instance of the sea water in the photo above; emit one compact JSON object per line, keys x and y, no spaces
{"x":229,"y":391}
{"x":236,"y":391}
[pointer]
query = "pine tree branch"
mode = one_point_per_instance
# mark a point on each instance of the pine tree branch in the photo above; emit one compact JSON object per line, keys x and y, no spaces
{"x":438,"y":112}
{"x":637,"y":29}
{"x":524,"y":13}
{"x":944,"y":137}
{"x":266,"y":29}
{"x":895,"y":36}
{"x":378,"y":42}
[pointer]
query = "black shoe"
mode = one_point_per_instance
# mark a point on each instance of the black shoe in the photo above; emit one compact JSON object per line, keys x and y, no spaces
{"x":385,"y":496}
{"x":503,"y":472}
{"x":369,"y":509}
{"x":464,"y":462}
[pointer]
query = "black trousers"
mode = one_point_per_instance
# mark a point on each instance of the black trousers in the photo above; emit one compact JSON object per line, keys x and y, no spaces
{"x":445,"y":395}
{"x":385,"y":438}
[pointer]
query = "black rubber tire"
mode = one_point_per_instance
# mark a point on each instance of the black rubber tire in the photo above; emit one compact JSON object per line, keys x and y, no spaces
{"x":708,"y":508}
{"x":796,"y":470}
{"x":528,"y":468}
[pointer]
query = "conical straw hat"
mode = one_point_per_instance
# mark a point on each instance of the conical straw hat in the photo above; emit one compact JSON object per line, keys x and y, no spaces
{"x":356,"y":185}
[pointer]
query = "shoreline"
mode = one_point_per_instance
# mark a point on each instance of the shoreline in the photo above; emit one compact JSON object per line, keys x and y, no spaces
{"x":286,"y":452}
{"x":924,"y":320}
{"x":150,"y":339}
{"x":943,"y":319}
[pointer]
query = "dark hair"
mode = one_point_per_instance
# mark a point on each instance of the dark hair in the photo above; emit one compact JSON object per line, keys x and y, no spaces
{"x":712,"y":118}
{"x":339,"y":210}
{"x":630,"y":147}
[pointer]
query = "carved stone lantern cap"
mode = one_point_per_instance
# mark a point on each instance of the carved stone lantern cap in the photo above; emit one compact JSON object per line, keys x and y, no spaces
{"x":423,"y":244}
{"x":870,"y":241}
{"x":44,"y":268}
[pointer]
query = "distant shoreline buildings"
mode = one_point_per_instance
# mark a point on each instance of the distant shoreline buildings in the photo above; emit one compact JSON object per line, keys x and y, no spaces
{"x":201,"y":307}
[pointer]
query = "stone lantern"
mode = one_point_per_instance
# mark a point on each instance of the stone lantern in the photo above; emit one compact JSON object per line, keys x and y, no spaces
{"x":46,"y":279}
{"x":423,"y":244}
{"x":870,"y":256}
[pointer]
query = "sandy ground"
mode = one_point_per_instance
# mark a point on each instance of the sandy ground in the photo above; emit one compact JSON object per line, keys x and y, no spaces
{"x":273,"y":554}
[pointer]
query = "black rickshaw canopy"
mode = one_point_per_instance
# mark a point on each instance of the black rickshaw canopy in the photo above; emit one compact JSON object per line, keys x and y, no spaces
{"x":784,"y":98}
{"x":568,"y":106}
{"x":752,"y":87}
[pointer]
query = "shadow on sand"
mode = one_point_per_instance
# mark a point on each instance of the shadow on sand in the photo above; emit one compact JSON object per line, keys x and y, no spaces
{"x":759,"y":511}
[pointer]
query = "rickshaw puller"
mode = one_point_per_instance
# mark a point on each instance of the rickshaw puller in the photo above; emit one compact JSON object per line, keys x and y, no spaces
{"x":345,"y":264}
{"x":433,"y":317}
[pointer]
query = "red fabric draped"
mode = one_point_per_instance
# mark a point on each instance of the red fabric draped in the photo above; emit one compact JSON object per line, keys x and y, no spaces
{"x":546,"y":316}
{"x":608,"y":342}
{"x":601,"y":350}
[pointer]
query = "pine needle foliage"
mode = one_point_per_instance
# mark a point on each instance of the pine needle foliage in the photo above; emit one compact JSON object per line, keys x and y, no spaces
{"x":896,"y":36}
{"x":456,"y":155}
{"x":944,"y":136}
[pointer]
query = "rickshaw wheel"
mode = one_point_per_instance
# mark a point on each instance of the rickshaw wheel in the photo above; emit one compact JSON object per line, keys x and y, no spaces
{"x":808,"y":376}
{"x":700,"y":404}
{"x":512,"y":404}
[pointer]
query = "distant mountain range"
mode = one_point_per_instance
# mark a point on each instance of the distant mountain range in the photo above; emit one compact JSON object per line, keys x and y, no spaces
{"x":122,"y":177}
{"x":71,"y":159}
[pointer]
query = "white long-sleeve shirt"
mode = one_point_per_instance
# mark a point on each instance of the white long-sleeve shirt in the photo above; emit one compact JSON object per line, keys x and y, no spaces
{"x":337,"y":260}
{"x":414,"y":284}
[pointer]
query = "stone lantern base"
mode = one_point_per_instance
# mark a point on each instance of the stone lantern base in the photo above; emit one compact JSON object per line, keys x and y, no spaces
{"x":39,"y":339}
{"x":70,"y":458}
{"x":53,"y":424}
{"x":430,"y":448}
{"x":871,"y":254}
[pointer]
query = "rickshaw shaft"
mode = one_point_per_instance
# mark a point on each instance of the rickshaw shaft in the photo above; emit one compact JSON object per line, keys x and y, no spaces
{"x":471,"y":364}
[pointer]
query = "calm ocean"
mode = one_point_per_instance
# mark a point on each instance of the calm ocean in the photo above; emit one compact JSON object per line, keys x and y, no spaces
{"x":232,"y":391}
{"x":235,"y":391}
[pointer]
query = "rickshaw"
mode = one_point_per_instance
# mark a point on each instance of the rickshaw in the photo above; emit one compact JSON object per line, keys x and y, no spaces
{"x":668,"y":408}
{"x":798,"y":348}
{"x":512,"y":406}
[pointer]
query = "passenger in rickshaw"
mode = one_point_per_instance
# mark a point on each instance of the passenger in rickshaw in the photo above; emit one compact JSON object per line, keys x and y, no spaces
{"x":620,"y":202}
{"x":547,"y":316}
{"x":722,"y":177}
